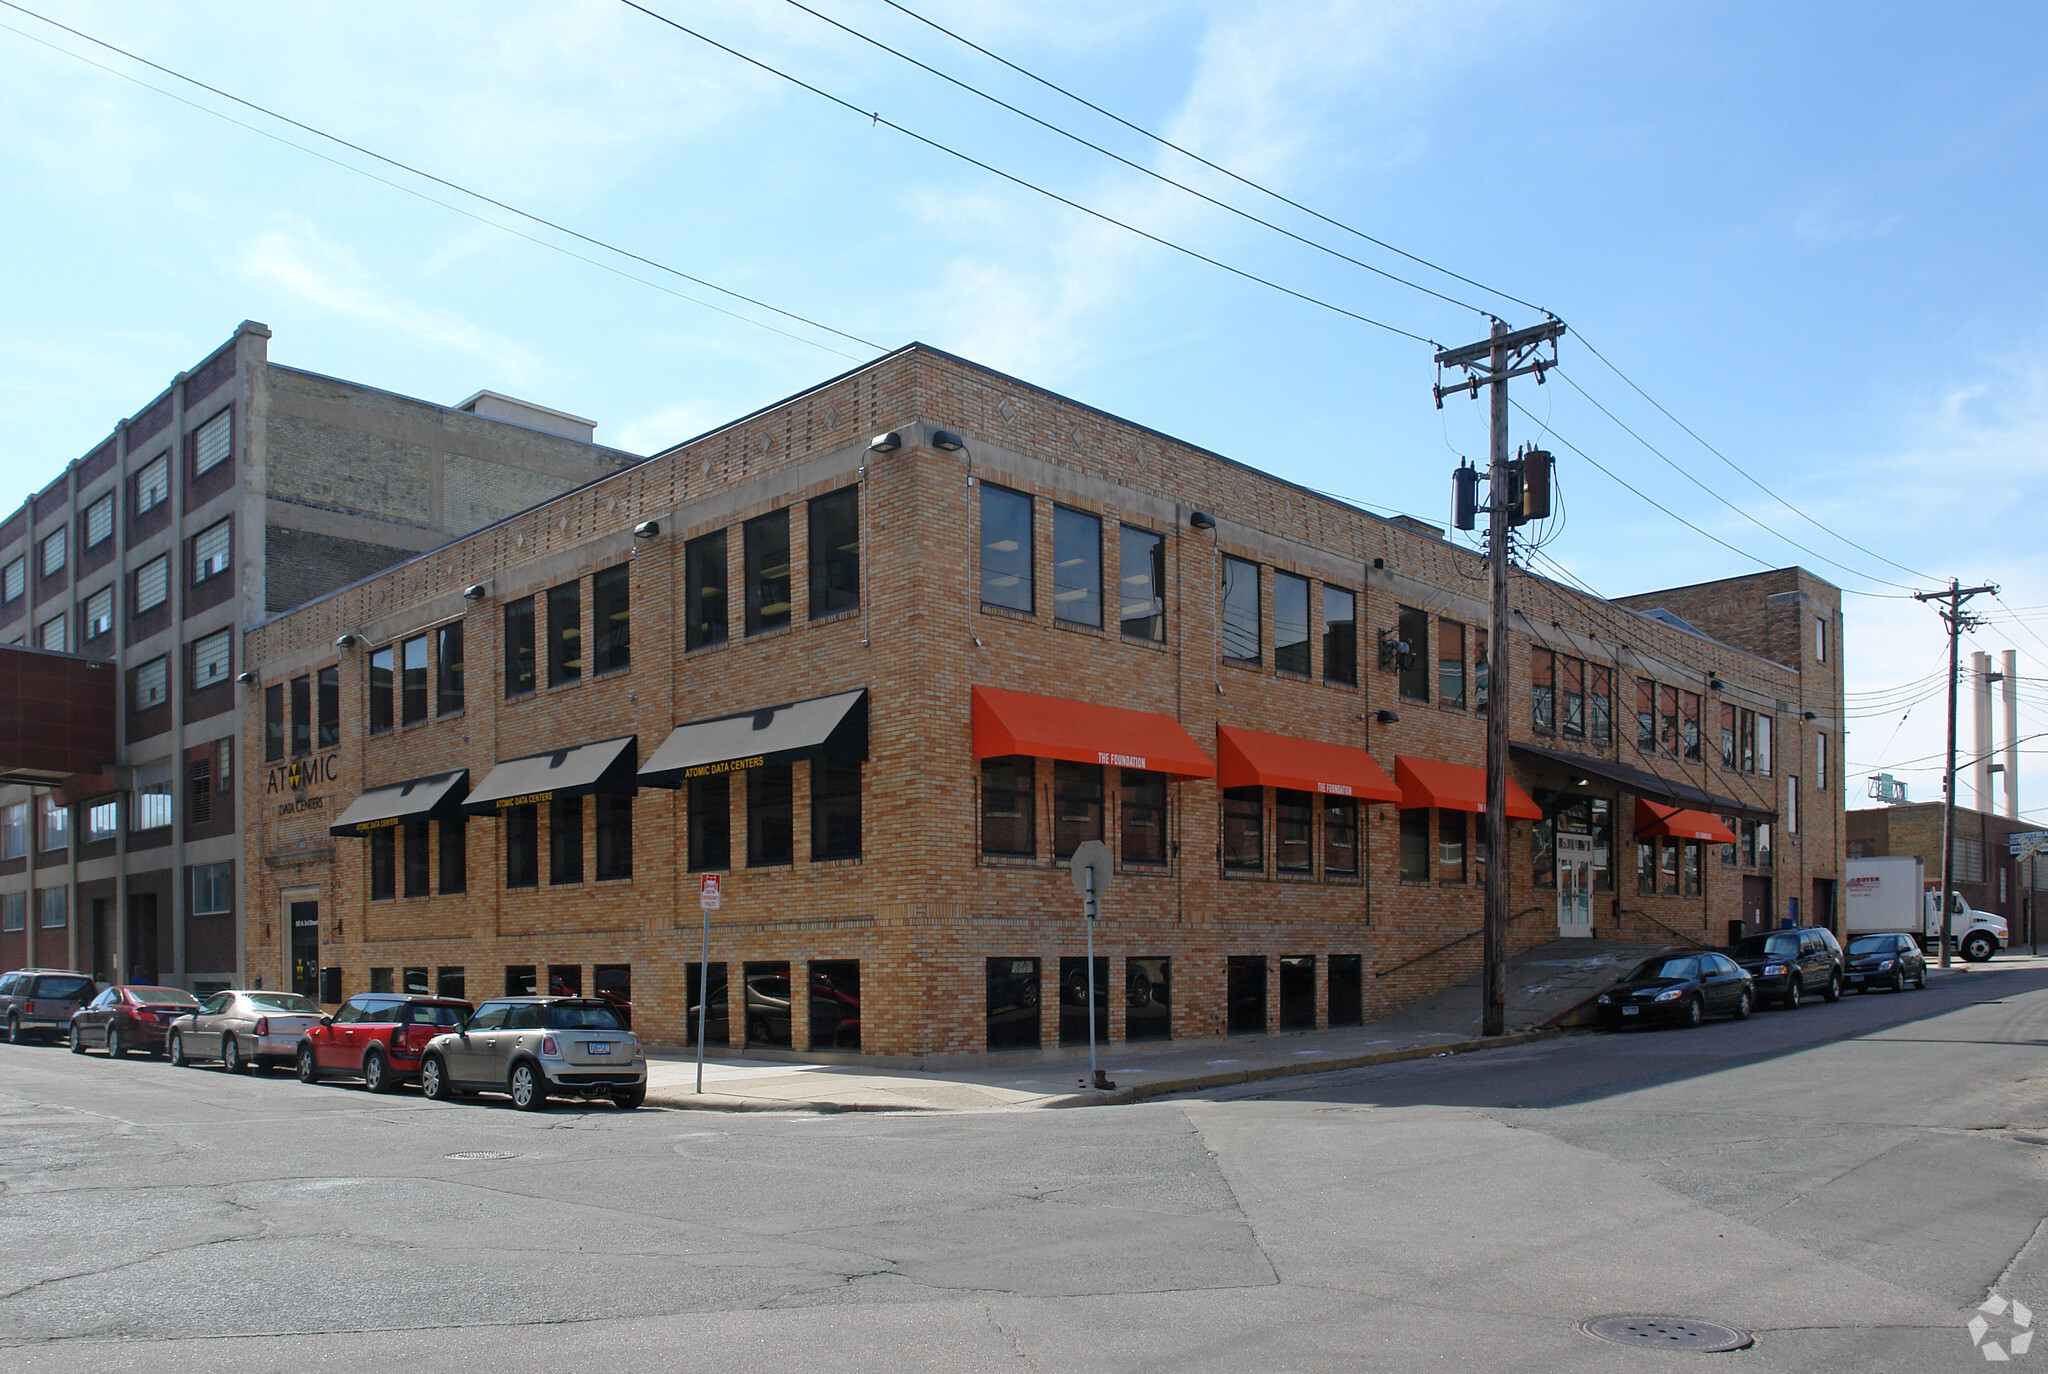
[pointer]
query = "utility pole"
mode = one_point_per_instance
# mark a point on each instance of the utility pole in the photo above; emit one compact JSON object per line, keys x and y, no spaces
{"x":1957,"y":620}
{"x":1513,"y":492}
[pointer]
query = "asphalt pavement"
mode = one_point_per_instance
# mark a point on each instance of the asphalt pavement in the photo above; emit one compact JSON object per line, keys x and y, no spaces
{"x":1849,"y":1182}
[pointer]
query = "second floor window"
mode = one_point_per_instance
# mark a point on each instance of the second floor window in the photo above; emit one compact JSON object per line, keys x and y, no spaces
{"x":565,"y":633}
{"x":519,"y":646}
{"x":1543,"y":691}
{"x":328,"y":682}
{"x":1571,"y":691}
{"x":764,"y":544}
{"x":302,"y":715}
{"x":1600,"y":703}
{"x":1006,"y":549}
{"x":1414,"y":666}
{"x":1141,"y":591}
{"x":273,"y":723}
{"x":1450,"y":663}
{"x":704,"y":580}
{"x":382,"y":662}
{"x":448,"y":669}
{"x":1242,"y":640}
{"x":835,"y":552}
{"x":1340,"y":635}
{"x":413,"y":683}
{"x":1290,"y":623}
{"x":611,"y":615}
{"x":1076,"y":567}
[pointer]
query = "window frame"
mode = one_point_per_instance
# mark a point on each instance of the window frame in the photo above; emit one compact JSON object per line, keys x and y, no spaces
{"x":152,"y":484}
{"x":565,"y":633}
{"x":221,"y":423}
{"x":53,"y":552}
{"x":205,"y":567}
{"x":1231,"y":602}
{"x":414,"y":679}
{"x":834,"y":579}
{"x":611,"y":619}
{"x":101,"y":623}
{"x":1138,"y":545}
{"x":105,"y":502}
{"x":157,"y":571}
{"x":699,"y":631}
{"x":1077,"y":541}
{"x":521,"y":666}
{"x":1010,"y":779}
{"x":225,"y":638}
{"x":1299,"y":654}
{"x":760,"y":540}
{"x":1025,"y":600}
{"x":382,"y":687}
{"x":1413,"y":678}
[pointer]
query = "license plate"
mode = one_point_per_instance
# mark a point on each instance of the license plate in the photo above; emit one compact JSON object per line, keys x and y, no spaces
{"x":1631,"y":1011}
{"x":598,"y":1047}
{"x":1855,"y":977}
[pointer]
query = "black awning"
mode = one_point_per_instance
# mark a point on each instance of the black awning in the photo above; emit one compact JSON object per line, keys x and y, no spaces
{"x":834,"y":727}
{"x":605,"y":768}
{"x":1642,"y":783}
{"x":419,"y":799}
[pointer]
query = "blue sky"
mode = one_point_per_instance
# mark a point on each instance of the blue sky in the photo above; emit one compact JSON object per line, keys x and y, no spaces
{"x":1811,"y":232}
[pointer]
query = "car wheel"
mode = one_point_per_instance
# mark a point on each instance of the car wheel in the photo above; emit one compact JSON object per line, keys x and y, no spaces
{"x":1746,"y":1005}
{"x":14,"y":1030}
{"x":1792,"y":994}
{"x":1834,"y":992}
{"x":1978,"y":948}
{"x":309,"y":1068}
{"x":1695,"y":1012}
{"x":434,"y":1084}
{"x":1141,"y":991}
{"x":529,"y":1090}
{"x":115,"y":1049}
{"x":630,"y":1101}
{"x":376,"y":1073}
{"x":1899,"y":981}
{"x":174,"y":1049}
{"x":1920,"y":981}
{"x":77,"y":1040}
{"x":231,"y":1060}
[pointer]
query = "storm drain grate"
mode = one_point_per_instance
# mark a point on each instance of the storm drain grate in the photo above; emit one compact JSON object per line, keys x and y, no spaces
{"x":481,"y":1154}
{"x":1667,"y":1333}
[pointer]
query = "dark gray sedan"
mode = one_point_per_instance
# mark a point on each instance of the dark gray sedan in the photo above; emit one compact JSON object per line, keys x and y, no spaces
{"x":245,"y":1028}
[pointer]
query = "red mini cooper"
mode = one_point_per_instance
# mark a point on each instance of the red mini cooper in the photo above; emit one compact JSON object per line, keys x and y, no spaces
{"x":377,"y":1037}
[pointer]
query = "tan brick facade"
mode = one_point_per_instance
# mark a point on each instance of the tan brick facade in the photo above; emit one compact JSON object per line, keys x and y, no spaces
{"x":923,"y":908}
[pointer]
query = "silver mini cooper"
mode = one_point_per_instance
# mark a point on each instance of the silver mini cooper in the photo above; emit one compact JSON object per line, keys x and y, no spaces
{"x":534,"y":1048}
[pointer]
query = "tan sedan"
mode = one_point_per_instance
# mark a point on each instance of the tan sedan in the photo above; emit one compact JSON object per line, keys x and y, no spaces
{"x":246,"y":1028}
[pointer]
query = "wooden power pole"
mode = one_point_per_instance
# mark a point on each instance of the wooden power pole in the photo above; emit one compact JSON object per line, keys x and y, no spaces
{"x":1957,"y":620}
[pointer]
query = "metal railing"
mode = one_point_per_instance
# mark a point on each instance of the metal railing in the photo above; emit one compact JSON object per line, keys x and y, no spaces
{"x":1452,"y":944}
{"x":1689,"y":939}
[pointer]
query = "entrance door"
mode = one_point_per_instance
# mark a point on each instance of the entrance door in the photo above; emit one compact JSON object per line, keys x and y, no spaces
{"x":141,"y":939}
{"x":100,"y":958}
{"x":305,"y":924}
{"x":1756,"y":904}
{"x":1575,"y":886}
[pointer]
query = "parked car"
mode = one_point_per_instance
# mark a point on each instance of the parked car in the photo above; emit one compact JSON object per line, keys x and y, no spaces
{"x":124,"y":1018}
{"x":243,"y":1029}
{"x":532,"y":1048}
{"x":1886,"y":961}
{"x":768,"y":1009}
{"x":1680,"y":988}
{"x":1787,"y":966}
{"x":378,"y":1037}
{"x":41,"y":1000}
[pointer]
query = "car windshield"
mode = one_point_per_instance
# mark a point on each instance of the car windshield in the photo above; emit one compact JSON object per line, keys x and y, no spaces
{"x":159,"y":996}
{"x":583,"y":1018}
{"x":1871,"y":944}
{"x":283,"y":1001}
{"x":67,"y":989}
{"x":1683,"y":967}
{"x":1778,"y":945}
{"x":433,"y":1014}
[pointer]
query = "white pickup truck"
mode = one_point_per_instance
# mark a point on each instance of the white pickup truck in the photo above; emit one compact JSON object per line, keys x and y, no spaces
{"x":1888,"y":895}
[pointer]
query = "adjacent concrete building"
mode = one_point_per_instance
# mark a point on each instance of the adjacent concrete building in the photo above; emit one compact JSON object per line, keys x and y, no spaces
{"x":870,"y":663}
{"x":244,"y":488}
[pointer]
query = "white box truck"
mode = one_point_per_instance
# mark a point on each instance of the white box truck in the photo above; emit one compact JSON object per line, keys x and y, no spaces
{"x":1890,"y":895}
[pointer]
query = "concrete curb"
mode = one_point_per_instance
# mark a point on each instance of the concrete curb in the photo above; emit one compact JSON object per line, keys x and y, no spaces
{"x":681,"y":1100}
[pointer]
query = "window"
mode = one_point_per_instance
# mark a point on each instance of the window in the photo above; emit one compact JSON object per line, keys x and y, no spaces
{"x":771,"y":828}
{"x":454,"y":855}
{"x":1646,"y":715}
{"x":704,"y":587}
{"x":1450,"y":663}
{"x":611,"y":611}
{"x":764,"y":551}
{"x":13,"y":910}
{"x":1646,"y":868}
{"x":1792,"y":804}
{"x":213,"y":889}
{"x":152,"y":683}
{"x":1600,"y":704}
{"x":1290,"y":623}
{"x":1414,"y":631}
{"x":1340,"y":635}
{"x":153,"y":484}
{"x":1144,"y":817}
{"x":211,"y":551}
{"x":211,"y":444}
{"x":14,"y":831}
{"x":835,"y":809}
{"x":522,"y":846}
{"x":153,"y":583}
{"x":56,"y":819}
{"x":102,"y":821}
{"x":1241,"y":637}
{"x":1006,"y":536}
{"x":1728,"y":757}
{"x":418,"y":859}
{"x":99,"y":613}
{"x":565,"y":633}
{"x":1244,"y":830}
{"x":1747,"y":839}
{"x":447,"y":669}
{"x":302,"y":716}
{"x":1820,"y":760}
{"x":835,"y":552}
{"x":1695,"y":871}
{"x":1008,"y":816}
{"x":1667,"y":720}
{"x":1746,"y":744}
{"x":51,"y":634}
{"x":1764,"y":854}
{"x":1543,"y":691}
{"x":383,"y":864}
{"x":565,"y":840}
{"x":54,"y":548}
{"x":1667,"y":882}
{"x":328,"y":680}
{"x":1820,"y":639}
{"x":1571,"y":685}
{"x":99,"y":521}
{"x":1482,"y":671}
{"x":224,"y":764}
{"x":1415,"y":845}
{"x":519,"y":666}
{"x":381,"y":705}
{"x":1142,"y":591}
{"x":1763,"y":745}
{"x":1076,"y":567}
{"x":614,"y":838}
{"x":198,"y":791}
{"x":56,"y":907}
{"x":1340,"y":837}
{"x":710,"y":822}
{"x":412,"y":692}
{"x":210,"y":660}
{"x":1450,"y":846}
{"x":14,"y":579}
{"x":1294,"y":818}
{"x":1076,"y":806}
{"x":1689,"y":725}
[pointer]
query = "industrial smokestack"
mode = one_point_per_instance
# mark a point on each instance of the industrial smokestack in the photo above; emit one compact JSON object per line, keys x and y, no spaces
{"x":1980,"y":756}
{"x":2009,"y":699}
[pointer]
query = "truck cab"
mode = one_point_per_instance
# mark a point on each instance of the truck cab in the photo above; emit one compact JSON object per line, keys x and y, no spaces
{"x":1978,"y":934}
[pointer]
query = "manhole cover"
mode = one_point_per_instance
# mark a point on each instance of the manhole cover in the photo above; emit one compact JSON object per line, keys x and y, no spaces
{"x":1668,"y":1333}
{"x":481,"y":1154}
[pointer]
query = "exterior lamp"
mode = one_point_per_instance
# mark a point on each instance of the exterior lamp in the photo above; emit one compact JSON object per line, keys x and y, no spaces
{"x":948,"y":441}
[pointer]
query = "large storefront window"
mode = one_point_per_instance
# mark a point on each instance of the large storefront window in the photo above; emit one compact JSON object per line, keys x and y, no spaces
{"x":835,"y":1004}
{"x":1074,"y":1001}
{"x":1298,"y":992}
{"x":768,"y":1003}
{"x":1245,"y":991}
{"x":1012,"y":1006}
{"x":1148,"y":1012}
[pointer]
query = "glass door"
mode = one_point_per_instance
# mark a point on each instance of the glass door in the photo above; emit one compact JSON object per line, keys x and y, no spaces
{"x":1575,"y":886}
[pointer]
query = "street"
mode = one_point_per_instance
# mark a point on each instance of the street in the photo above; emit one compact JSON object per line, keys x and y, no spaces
{"x":1847,"y":1181}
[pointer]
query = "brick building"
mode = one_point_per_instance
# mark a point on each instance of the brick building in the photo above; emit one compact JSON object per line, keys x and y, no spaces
{"x":882,"y":686}
{"x":243,"y":488}
{"x":1986,"y":874}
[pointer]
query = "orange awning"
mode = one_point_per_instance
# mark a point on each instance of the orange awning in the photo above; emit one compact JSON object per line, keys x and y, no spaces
{"x":1654,"y":818}
{"x":1246,"y":758}
{"x":1454,"y":787}
{"x":1081,"y":732}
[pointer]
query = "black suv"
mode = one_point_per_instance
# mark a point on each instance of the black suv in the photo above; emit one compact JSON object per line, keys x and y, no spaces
{"x":1788,"y":966}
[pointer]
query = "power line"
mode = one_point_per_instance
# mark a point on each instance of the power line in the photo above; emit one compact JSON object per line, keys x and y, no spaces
{"x":876,"y":118}
{"x":430,"y":176}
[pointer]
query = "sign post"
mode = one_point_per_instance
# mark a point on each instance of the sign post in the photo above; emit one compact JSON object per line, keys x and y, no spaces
{"x":1092,"y":866}
{"x":709,"y":892}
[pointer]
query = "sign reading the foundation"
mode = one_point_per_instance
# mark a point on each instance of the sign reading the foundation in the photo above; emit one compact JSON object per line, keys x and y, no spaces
{"x":710,"y":890}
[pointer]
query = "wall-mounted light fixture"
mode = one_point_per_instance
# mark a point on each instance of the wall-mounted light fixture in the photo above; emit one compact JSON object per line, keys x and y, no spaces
{"x":947,"y":441}
{"x":885,"y":443}
{"x":1714,"y":681}
{"x":475,"y":591}
{"x":246,"y":676}
{"x":345,"y":640}
{"x":1385,"y":717}
{"x":647,"y":529}
{"x":1201,"y":520}
{"x":1810,"y":715}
